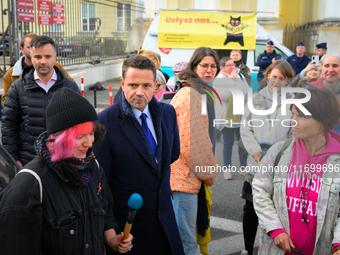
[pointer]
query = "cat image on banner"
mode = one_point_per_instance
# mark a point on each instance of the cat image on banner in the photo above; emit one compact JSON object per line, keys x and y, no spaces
{"x":233,"y":26}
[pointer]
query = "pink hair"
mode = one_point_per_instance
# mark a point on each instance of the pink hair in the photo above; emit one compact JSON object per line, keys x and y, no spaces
{"x":62,"y":145}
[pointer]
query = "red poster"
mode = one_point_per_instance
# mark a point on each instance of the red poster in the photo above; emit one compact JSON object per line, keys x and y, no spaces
{"x":26,"y":16}
{"x":26,"y":4}
{"x":44,"y":19}
{"x":58,"y":8}
{"x":44,"y":6}
{"x":59,"y":20}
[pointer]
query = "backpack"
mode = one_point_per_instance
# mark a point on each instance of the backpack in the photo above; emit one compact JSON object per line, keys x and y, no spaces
{"x":168,"y":96}
{"x":9,"y":169}
{"x":283,"y":148}
{"x":247,"y":192}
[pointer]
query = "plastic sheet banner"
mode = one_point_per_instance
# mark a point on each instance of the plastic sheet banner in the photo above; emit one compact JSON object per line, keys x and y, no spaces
{"x":190,"y":30}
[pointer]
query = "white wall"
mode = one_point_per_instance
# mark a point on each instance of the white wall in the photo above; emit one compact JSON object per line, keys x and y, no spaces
{"x":204,"y":4}
{"x":106,"y":70}
{"x":268,"y":6}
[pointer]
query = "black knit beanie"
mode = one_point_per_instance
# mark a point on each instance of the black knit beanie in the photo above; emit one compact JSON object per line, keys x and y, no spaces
{"x":67,"y":108}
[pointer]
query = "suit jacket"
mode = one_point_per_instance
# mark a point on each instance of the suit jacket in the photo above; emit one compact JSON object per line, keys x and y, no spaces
{"x":131,"y":167}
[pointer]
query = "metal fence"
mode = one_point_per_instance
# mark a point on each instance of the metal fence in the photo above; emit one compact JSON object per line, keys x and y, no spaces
{"x":293,"y":34}
{"x":84,"y":30}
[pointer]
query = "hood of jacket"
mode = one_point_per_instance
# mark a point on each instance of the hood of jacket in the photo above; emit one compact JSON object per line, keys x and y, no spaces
{"x":264,"y":94}
{"x":268,"y":96}
{"x":17,"y":69}
{"x":333,"y":147}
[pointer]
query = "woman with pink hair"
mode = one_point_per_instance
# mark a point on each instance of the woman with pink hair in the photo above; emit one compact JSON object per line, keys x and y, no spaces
{"x":65,"y":204}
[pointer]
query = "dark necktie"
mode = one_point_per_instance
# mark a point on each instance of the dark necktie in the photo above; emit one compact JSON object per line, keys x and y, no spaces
{"x":148,"y":134}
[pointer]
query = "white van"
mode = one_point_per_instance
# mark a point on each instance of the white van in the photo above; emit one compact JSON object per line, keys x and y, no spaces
{"x":248,"y":56}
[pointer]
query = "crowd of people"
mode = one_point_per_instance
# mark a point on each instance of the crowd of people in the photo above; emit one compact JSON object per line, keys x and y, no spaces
{"x":155,"y":141}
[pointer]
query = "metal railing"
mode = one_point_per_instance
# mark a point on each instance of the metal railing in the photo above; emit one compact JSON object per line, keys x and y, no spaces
{"x":295,"y":33}
{"x":92,"y":31}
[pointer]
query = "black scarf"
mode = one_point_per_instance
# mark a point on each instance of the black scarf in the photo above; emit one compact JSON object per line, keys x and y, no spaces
{"x":77,"y":170}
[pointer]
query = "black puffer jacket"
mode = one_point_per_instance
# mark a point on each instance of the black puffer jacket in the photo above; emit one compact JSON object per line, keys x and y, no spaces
{"x":70,"y":219}
{"x":24,"y":118}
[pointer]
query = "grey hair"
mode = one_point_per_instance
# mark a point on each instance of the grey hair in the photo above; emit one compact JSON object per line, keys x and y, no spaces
{"x":224,"y":60}
{"x":160,"y":78}
{"x":327,"y":55}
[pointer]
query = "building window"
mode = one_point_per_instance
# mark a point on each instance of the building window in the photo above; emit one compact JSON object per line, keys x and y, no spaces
{"x":88,"y":17}
{"x":127,"y":17}
{"x":123,"y":17}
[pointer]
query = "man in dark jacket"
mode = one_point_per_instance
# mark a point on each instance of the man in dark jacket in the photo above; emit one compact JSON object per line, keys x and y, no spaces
{"x":23,"y":117}
{"x":15,"y":71}
{"x":299,"y":61}
{"x":236,"y":56}
{"x":266,"y":58}
{"x":141,"y":142}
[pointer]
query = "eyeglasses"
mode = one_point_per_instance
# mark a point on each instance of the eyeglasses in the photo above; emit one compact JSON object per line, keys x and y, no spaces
{"x":158,"y":85}
{"x":230,"y":66}
{"x":206,"y":66}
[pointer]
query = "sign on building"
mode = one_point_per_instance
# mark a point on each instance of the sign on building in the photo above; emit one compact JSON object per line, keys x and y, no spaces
{"x":193,"y":29}
{"x":26,"y":16}
{"x":44,"y":19}
{"x":44,"y":6}
{"x":26,"y":4}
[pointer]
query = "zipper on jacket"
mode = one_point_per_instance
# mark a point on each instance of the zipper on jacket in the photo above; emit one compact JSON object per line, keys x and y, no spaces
{"x":85,"y":217}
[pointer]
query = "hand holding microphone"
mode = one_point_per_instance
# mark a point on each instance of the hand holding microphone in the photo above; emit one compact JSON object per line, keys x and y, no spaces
{"x":135,"y":202}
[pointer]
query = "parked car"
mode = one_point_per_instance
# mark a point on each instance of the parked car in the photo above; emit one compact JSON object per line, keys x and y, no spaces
{"x":69,"y":47}
{"x":92,"y":47}
{"x":6,"y":45}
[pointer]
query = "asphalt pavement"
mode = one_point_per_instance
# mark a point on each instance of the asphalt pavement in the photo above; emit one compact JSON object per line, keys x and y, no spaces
{"x":102,"y":96}
{"x":227,"y":208}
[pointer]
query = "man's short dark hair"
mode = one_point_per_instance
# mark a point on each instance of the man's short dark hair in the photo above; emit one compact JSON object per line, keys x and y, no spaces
{"x":224,"y":60}
{"x":41,"y":41}
{"x":138,"y":62}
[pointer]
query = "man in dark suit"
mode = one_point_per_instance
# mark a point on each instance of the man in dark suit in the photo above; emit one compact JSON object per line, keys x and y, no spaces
{"x":141,"y":142}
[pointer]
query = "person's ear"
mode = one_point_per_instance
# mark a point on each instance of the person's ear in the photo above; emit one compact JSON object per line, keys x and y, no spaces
{"x":122,"y":83}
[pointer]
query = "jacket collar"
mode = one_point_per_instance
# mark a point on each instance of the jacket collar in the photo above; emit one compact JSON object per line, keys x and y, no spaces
{"x":265,"y":52}
{"x":133,"y":131}
{"x":27,"y":77}
{"x":154,"y":107}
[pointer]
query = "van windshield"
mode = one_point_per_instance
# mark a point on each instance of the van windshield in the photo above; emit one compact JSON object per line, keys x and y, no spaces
{"x":260,"y":48}
{"x":224,"y":53}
